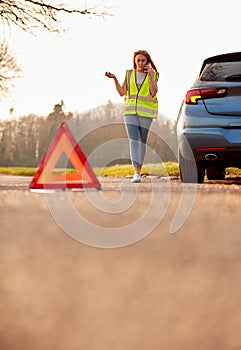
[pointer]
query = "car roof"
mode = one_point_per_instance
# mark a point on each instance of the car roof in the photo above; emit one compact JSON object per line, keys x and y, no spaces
{"x":226,"y":57}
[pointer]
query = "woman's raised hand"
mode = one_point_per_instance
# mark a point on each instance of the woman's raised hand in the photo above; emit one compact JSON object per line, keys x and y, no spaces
{"x":109,"y":75}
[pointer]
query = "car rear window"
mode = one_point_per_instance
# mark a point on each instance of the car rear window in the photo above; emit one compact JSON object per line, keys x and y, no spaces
{"x":221,"y":71}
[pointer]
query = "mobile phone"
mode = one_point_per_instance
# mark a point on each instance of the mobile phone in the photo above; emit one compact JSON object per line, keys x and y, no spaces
{"x":146,"y":66}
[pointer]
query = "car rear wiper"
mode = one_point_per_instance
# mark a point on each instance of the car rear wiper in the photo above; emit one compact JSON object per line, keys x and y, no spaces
{"x":234,"y":77}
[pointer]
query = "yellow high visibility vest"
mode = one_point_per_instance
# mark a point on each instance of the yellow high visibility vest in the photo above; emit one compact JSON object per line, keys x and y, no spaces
{"x":139,"y":101}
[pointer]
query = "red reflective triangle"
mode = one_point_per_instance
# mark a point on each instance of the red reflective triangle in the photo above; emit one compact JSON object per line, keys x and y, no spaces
{"x":49,"y":177}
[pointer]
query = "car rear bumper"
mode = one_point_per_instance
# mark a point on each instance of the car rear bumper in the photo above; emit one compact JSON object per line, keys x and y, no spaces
{"x":211,"y":145}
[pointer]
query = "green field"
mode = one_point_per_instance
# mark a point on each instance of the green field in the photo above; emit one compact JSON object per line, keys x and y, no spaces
{"x":170,"y":168}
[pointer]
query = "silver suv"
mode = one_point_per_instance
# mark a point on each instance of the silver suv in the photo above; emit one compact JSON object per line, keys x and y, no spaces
{"x":209,"y":121}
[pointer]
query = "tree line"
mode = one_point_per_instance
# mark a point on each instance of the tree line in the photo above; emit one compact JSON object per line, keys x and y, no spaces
{"x":25,"y":140}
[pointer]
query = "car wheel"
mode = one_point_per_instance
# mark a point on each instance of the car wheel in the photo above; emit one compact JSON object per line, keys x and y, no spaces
{"x":190,"y":171}
{"x":215,"y":173}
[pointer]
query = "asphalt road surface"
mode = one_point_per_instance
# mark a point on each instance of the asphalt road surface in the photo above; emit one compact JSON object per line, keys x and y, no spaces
{"x":175,"y":286}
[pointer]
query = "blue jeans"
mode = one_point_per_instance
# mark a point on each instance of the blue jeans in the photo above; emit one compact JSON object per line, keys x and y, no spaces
{"x":137,"y":130}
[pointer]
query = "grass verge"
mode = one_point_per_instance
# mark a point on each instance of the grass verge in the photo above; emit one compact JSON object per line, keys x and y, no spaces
{"x":170,"y":168}
{"x":167,"y":168}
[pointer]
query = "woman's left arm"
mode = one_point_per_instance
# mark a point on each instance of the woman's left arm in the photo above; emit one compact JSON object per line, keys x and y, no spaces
{"x":152,"y":83}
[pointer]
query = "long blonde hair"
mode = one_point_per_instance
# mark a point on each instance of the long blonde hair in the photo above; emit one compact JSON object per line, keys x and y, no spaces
{"x":148,"y":57}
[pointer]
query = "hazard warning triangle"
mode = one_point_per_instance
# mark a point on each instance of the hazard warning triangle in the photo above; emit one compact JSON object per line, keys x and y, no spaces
{"x":50,"y":175}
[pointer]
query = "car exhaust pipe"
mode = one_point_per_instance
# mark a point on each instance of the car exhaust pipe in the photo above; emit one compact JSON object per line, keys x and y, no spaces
{"x":211,"y":156}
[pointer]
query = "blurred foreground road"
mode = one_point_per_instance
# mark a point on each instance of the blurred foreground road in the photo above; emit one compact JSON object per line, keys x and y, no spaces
{"x":167,"y":291}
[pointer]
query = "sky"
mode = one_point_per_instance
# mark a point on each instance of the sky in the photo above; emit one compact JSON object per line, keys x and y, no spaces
{"x":178,"y":35}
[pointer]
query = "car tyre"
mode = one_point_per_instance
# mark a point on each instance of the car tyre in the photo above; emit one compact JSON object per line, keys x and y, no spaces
{"x":190,"y":172}
{"x":215,"y":173}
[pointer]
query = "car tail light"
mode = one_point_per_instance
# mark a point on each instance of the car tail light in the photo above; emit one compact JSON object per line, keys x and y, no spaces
{"x":211,"y":149}
{"x":192,"y":96}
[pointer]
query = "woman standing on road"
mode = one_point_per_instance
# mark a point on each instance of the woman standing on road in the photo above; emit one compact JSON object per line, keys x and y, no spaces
{"x":141,"y":105}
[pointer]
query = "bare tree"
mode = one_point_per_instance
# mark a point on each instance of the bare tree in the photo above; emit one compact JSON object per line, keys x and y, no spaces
{"x":9,"y":70}
{"x":31,"y":14}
